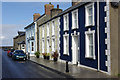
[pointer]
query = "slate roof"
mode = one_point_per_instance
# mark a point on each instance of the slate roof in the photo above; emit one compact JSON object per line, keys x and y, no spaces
{"x":20,"y":33}
{"x":21,"y":42}
{"x":33,"y":22}
{"x":67,"y":10}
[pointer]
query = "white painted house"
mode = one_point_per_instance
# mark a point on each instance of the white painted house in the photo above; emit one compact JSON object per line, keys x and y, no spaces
{"x":31,"y":39}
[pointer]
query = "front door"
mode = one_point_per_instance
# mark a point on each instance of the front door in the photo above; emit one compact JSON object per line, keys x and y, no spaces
{"x":74,"y":49}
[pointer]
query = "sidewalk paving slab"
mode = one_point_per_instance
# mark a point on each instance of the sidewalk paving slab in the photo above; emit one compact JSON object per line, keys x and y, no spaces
{"x":74,"y":71}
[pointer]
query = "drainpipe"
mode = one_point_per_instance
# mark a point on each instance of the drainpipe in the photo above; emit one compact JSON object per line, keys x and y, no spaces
{"x":98,"y":34}
{"x":35,"y":36}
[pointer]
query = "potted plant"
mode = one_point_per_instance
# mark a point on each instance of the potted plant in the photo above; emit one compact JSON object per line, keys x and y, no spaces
{"x":55,"y":56}
{"x":37,"y":54}
{"x":44,"y":55}
{"x":48,"y":56}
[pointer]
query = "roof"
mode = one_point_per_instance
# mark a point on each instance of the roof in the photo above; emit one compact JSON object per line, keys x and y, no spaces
{"x":21,"y":42}
{"x":66,"y":11}
{"x":72,"y":8}
{"x":20,"y":33}
{"x":34,"y":21}
{"x":29,"y":25}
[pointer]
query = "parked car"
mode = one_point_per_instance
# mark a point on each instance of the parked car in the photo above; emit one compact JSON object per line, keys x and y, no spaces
{"x":19,"y":55}
{"x":8,"y":52}
{"x":11,"y":52}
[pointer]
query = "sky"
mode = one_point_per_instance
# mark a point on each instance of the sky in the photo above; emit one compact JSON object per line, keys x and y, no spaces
{"x":17,"y":15}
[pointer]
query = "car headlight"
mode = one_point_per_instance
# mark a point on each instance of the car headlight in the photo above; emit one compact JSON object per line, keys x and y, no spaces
{"x":17,"y":56}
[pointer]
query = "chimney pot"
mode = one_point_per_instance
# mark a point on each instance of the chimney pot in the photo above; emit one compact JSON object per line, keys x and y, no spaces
{"x":36,"y":16}
{"x":48,"y":7}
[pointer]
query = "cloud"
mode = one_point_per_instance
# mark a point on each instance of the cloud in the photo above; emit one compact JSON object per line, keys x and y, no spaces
{"x":8,"y":32}
{"x":2,"y":37}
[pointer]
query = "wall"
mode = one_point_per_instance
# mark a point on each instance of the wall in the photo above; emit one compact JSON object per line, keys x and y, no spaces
{"x":81,"y":30}
{"x":50,"y":36}
{"x":16,"y":40}
{"x":114,"y":40}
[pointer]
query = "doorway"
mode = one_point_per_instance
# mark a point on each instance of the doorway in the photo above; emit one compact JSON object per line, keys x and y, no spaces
{"x":75,"y":49}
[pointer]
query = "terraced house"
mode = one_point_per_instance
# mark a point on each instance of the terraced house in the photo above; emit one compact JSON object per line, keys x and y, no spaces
{"x":19,"y":41}
{"x":31,"y":35}
{"x":49,"y":34}
{"x":89,"y":36}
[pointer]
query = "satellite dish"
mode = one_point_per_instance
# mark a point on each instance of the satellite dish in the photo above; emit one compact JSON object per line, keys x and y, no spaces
{"x":115,"y":4}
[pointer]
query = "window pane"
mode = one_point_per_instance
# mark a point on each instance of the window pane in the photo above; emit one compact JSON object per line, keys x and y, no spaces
{"x":75,"y":19}
{"x":90,"y":45}
{"x":91,"y":51}
{"x":90,"y":10}
{"x":91,"y":39}
{"x":76,"y":23}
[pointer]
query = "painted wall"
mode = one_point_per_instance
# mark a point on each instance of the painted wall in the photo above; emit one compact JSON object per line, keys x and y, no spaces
{"x":50,"y":36}
{"x":81,"y":22}
{"x":29,"y":33}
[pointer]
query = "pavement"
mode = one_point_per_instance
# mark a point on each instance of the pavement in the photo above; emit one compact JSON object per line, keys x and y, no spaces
{"x":22,"y":70}
{"x":74,"y":70}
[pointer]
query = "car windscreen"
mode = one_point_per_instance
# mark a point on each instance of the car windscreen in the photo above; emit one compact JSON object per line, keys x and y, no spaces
{"x":19,"y":52}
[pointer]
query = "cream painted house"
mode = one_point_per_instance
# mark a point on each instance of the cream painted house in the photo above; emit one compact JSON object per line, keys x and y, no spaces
{"x":49,"y":37}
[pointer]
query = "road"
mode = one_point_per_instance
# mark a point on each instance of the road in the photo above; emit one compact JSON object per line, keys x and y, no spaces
{"x":24,"y":69}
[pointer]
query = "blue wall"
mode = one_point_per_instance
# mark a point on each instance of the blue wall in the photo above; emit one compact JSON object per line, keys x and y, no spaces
{"x":81,"y":22}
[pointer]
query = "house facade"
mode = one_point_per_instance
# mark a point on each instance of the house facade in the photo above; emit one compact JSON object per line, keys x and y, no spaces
{"x":86,"y":36}
{"x":19,"y":41}
{"x":49,"y":34}
{"x":30,"y":39}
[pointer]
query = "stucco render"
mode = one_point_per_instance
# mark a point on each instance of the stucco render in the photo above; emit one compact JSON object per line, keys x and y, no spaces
{"x":114,"y":40}
{"x":50,"y":36}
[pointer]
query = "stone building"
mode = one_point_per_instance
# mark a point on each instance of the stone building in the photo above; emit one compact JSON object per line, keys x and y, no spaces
{"x":19,"y":41}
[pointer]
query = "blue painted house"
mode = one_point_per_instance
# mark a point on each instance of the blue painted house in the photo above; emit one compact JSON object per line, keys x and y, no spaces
{"x":85,"y":35}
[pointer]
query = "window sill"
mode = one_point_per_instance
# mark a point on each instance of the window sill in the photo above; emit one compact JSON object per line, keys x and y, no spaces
{"x":90,"y":58}
{"x":89,"y":25}
{"x":74,"y":27}
{"x":66,"y":30}
{"x":65,"y":55}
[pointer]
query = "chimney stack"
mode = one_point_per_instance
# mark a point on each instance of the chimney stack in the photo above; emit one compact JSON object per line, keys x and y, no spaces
{"x":48,"y":7}
{"x":75,"y":2}
{"x":57,"y":6}
{"x":36,"y":16}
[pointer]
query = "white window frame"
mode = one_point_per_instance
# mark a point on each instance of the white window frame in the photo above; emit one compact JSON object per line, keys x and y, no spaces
{"x":43,"y":45}
{"x":64,"y":44}
{"x":87,"y":54}
{"x":66,"y":27}
{"x":87,"y":15}
{"x":48,"y":42}
{"x":73,"y":24}
{"x":53,"y":45}
{"x":23,"y":46}
{"x":32,"y":46}
{"x":48,"y":25}
{"x":43,"y":28}
{"x":53,"y":28}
